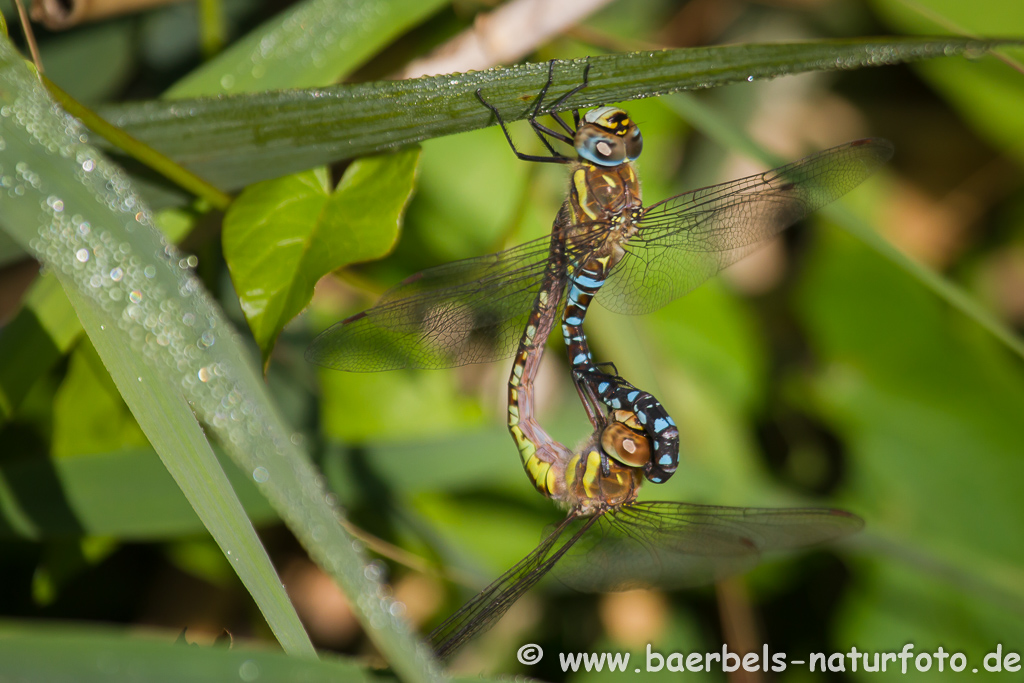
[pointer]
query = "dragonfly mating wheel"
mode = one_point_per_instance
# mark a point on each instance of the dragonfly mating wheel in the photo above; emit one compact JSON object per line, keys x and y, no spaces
{"x":604,"y":244}
{"x":631,"y":258}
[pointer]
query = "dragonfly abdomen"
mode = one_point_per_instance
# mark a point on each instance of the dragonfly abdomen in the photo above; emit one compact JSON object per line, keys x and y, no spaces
{"x":613,"y":391}
{"x":543,"y":458}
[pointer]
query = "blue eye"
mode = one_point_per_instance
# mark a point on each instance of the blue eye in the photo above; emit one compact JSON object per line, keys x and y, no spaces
{"x":601,"y":149}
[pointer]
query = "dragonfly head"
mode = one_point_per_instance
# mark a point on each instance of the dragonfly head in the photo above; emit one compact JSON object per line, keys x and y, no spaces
{"x":608,"y":137}
{"x":623,"y":440}
{"x":620,"y":447}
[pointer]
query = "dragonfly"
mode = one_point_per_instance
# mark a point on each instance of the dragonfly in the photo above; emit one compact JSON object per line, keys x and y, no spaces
{"x":609,"y":540}
{"x":633,"y":259}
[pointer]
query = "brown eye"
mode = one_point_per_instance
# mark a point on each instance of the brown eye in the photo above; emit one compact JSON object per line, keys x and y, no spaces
{"x":621,"y":443}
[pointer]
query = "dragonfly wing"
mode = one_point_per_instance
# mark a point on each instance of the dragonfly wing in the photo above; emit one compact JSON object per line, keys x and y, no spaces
{"x":673,"y":545}
{"x":684,"y":240}
{"x":480,"y":613}
{"x":468,"y":311}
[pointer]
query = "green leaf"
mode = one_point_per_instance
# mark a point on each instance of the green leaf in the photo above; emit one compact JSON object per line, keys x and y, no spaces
{"x":312,"y":43}
{"x":281,"y":236}
{"x":429,"y":402}
{"x":171,"y":352}
{"x":42,"y":332}
{"x":57,"y":653}
{"x":933,"y":409}
{"x":71,"y":58}
{"x":718,"y":127}
{"x":237,"y":140}
{"x":895,"y":605}
{"x":165,"y":417}
{"x":929,"y":410}
{"x":10,"y":252}
{"x":89,"y":415}
{"x":50,"y":654}
{"x":127,"y":494}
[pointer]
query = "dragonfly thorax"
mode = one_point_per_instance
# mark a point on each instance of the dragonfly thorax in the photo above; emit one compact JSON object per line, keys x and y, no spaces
{"x":608,"y":137}
{"x":590,"y":490}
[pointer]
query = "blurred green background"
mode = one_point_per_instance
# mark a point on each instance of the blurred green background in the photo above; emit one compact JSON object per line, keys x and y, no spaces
{"x":814,"y":372}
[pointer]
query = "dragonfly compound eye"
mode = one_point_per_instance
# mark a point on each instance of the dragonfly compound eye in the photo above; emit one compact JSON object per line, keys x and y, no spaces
{"x":634,"y":143}
{"x":621,"y":443}
{"x":598,"y":146}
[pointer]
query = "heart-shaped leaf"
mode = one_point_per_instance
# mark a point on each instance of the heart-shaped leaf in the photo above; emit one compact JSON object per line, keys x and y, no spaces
{"x":281,"y":236}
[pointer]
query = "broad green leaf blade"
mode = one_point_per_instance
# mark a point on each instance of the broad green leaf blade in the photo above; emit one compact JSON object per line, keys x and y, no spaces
{"x":313,"y":43}
{"x":718,"y":128}
{"x":90,"y":654}
{"x":60,"y":653}
{"x":77,"y":212}
{"x":10,"y":251}
{"x":237,"y":140}
{"x":167,"y":420}
{"x":281,"y":236}
{"x":930,"y":421}
{"x":43,"y":331}
{"x":89,"y":415}
{"x":125,"y":494}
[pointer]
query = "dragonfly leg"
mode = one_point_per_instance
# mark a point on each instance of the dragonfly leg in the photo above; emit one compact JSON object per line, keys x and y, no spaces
{"x":541,"y":130}
{"x":544,"y":132}
{"x":571,"y":130}
{"x":606,"y":465}
{"x":556,"y":158}
{"x":578,"y":88}
{"x":591,"y":402}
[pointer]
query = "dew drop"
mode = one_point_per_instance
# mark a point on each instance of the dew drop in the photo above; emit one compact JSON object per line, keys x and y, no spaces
{"x":260,"y":474}
{"x":249,"y":671}
{"x":82,"y":255}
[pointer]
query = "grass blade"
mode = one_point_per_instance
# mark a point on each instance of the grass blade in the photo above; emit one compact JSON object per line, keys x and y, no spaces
{"x":237,"y":140}
{"x":77,"y":213}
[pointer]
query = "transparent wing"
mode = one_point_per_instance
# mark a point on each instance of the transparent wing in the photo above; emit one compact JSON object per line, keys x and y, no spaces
{"x":480,"y":613}
{"x":469,"y":311}
{"x":672,"y":545}
{"x":684,"y":240}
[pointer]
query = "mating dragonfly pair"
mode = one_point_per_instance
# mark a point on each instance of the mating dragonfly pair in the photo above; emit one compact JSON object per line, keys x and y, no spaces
{"x":633,"y":259}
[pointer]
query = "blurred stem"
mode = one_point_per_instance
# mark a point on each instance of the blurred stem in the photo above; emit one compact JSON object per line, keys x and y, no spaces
{"x":30,"y":36}
{"x":739,"y":626}
{"x":212,"y":30}
{"x":989,"y":580}
{"x":138,"y":150}
{"x":718,"y":128}
{"x":407,"y":559}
